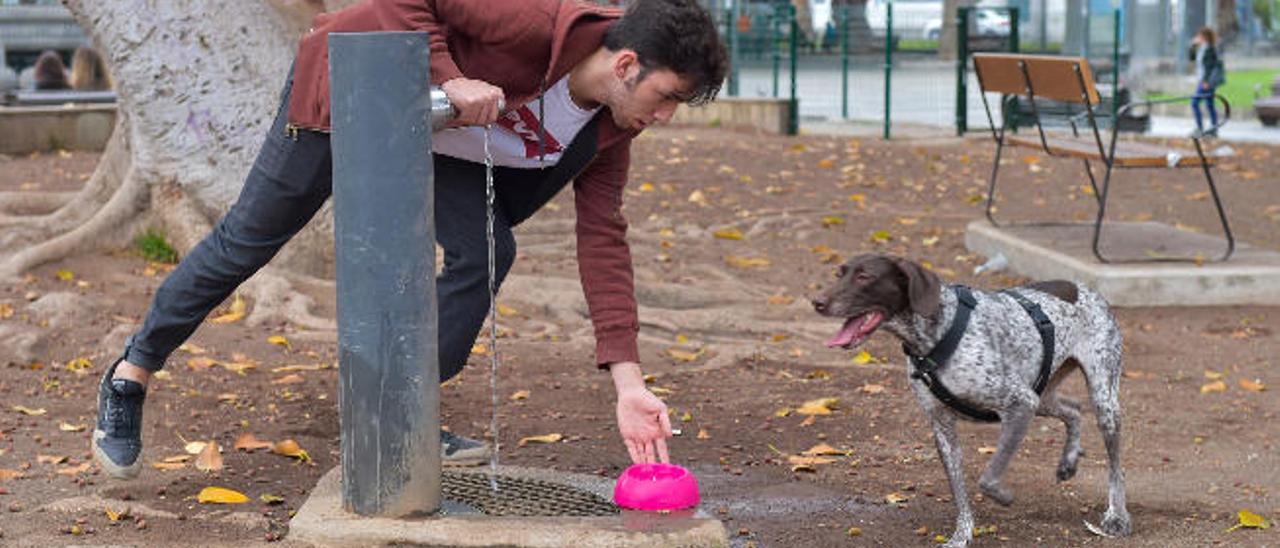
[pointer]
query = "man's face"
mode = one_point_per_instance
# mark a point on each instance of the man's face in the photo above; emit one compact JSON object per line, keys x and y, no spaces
{"x":638,"y":102}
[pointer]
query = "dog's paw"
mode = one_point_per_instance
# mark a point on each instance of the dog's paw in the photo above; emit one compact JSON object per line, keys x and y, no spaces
{"x":1117,"y":525}
{"x":997,"y":492}
{"x":1067,"y":466}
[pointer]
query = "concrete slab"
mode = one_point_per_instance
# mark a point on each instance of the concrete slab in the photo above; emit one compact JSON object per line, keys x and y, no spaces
{"x":1251,"y":276}
{"x":322,"y":522}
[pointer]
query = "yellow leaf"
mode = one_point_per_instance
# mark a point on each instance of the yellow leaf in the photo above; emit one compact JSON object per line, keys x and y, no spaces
{"x":201,"y":363}
{"x":295,"y":368}
{"x":6,"y":474}
{"x":986,"y":450}
{"x":686,"y":417}
{"x":781,"y":300}
{"x":74,"y":470}
{"x":784,"y":412}
{"x":646,"y":187}
{"x":6,"y":311}
{"x":698,"y":197}
{"x":506,"y":311}
{"x":881,"y":236}
{"x":826,"y":163}
{"x":239,"y":364}
{"x":832,"y":220}
{"x":682,"y":338}
{"x":192,"y":349}
{"x":68,"y":427}
{"x":1252,"y":385}
{"x":728,"y":234}
{"x":809,"y":460}
{"x":292,"y":378}
{"x":65,"y":275}
{"x":520,"y":395}
{"x":290,"y":448}
{"x":820,"y":406}
{"x":270,"y":499}
{"x":209,"y":459}
{"x":824,"y":449}
{"x":863,"y":358}
{"x":1215,"y":386}
{"x":929,"y":242}
{"x":907,"y":221}
{"x":194,"y":447}
{"x":249,"y":442}
{"x":871,"y":388}
{"x":280,"y":340}
{"x":1212,"y":375}
{"x":234,"y":313}
{"x":1250,"y":520}
{"x":51,"y":459}
{"x":853,"y":531}
{"x":895,"y":498}
{"x":479,"y":349}
{"x":685,"y":355}
{"x":220,"y":495}
{"x":545,"y":438}
{"x":116,"y":516}
{"x":860,"y":199}
{"x":162,"y":375}
{"x":703,"y":435}
{"x":176,"y":459}
{"x":29,"y":411}
{"x":79,"y":365}
{"x":747,"y":262}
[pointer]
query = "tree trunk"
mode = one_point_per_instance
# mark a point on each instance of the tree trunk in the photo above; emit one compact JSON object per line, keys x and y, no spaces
{"x":947,"y":39}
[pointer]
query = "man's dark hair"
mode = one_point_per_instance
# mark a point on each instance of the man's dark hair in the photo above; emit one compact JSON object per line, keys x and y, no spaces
{"x":677,"y":35}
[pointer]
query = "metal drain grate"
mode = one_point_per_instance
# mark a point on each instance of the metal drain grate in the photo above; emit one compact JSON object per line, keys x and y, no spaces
{"x":522,"y":497}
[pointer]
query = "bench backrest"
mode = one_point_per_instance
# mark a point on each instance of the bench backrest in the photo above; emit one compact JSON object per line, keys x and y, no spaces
{"x":1049,"y":76}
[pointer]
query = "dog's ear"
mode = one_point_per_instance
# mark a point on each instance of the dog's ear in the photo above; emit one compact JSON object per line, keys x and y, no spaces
{"x":923,"y":287}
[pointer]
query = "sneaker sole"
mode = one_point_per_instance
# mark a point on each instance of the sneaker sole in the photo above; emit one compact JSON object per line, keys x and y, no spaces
{"x":112,"y":469}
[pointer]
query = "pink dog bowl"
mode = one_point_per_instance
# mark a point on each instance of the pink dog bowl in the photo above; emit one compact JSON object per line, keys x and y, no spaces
{"x":655,"y":487}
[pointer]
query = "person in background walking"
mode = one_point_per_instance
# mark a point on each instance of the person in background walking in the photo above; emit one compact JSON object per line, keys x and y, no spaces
{"x":89,"y":70}
{"x":1209,"y":75}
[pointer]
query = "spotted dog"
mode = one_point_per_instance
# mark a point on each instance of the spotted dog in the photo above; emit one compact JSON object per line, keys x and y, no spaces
{"x":1015,"y":348}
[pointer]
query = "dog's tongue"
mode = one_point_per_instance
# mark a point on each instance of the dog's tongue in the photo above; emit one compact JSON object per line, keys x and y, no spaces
{"x":856,"y":328}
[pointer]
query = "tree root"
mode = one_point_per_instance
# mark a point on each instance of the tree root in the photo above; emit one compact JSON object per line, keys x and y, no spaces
{"x":276,"y":301}
{"x":24,"y":204}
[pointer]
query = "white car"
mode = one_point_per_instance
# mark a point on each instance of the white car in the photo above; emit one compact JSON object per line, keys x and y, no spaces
{"x":987,"y":23}
{"x":910,"y":17}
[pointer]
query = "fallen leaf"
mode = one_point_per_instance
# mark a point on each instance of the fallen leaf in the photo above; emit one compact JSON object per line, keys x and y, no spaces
{"x":832,"y":220}
{"x":80,"y":365}
{"x":863,"y":358}
{"x":881,"y":236}
{"x":685,"y":355}
{"x":234,"y":313}
{"x":870,"y":388}
{"x":194,"y":447}
{"x":270,"y":499}
{"x":1212,"y":375}
{"x":51,"y":459}
{"x":506,"y":311}
{"x":520,"y":395}
{"x":192,"y":349}
{"x":210,"y":459}
{"x":6,"y":311}
{"x":479,"y":349}
{"x":1249,"y":520}
{"x":280,"y":340}
{"x":747,"y":262}
{"x":895,"y":498}
{"x":545,"y":438}
{"x":68,"y":427}
{"x":824,"y":449}
{"x":239,"y":363}
{"x":6,"y":474}
{"x":201,"y":363}
{"x":698,"y":197}
{"x":781,"y":300}
{"x":785,"y":411}
{"x":646,"y":187}
{"x":826,"y":163}
{"x":29,"y":411}
{"x":1215,"y":386}
{"x":75,"y":470}
{"x":820,"y":406}
{"x":853,"y":531}
{"x":65,"y":275}
{"x":176,"y":458}
{"x":248,"y":442}
{"x":290,"y":448}
{"x":220,"y":495}
{"x":1252,"y":385}
{"x":292,"y":378}
{"x":296,"y":368}
{"x":986,"y":450}
{"x":809,"y":421}
{"x":168,"y":466}
{"x":728,"y":234}
{"x":116,"y":516}
{"x":803,"y":468}
{"x":703,"y":435}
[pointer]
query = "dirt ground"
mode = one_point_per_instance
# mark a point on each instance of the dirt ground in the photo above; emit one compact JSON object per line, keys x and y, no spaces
{"x":730,"y":342}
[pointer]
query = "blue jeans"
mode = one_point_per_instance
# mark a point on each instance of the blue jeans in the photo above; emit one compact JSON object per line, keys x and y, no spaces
{"x":1204,"y":95}
{"x":289,"y":181}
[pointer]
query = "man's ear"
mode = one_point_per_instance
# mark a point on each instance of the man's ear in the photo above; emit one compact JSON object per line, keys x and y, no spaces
{"x":623,"y":61}
{"x":923,"y":287}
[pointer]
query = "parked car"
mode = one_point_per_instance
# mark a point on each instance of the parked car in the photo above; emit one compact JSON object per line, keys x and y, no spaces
{"x":910,"y":17}
{"x":987,"y":23}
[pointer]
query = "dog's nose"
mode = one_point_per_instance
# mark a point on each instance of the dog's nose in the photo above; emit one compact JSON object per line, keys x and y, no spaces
{"x":819,"y":305}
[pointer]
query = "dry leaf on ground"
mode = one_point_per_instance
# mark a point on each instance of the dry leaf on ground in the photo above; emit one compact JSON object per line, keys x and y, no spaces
{"x":221,"y":495}
{"x":210,"y":459}
{"x":545,"y":438}
{"x":248,"y":442}
{"x":820,"y":406}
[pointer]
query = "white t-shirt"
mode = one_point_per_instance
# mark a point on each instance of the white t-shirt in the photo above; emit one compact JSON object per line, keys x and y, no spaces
{"x":513,"y":141}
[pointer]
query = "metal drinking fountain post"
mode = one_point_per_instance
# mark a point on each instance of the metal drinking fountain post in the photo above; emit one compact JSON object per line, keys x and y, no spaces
{"x":383,"y":112}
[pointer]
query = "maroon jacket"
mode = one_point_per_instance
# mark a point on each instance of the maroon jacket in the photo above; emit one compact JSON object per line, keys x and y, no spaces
{"x":521,"y":46}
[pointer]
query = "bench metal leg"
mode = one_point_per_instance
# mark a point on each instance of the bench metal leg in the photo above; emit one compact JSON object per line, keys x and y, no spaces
{"x":991,"y":189}
{"x":1217,"y":202}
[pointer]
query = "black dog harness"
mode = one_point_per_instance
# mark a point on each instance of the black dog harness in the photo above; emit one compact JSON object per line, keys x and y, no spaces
{"x":927,"y":366}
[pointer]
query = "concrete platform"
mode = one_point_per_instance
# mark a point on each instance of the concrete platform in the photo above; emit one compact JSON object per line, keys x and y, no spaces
{"x":322,"y":522}
{"x":1251,"y":276}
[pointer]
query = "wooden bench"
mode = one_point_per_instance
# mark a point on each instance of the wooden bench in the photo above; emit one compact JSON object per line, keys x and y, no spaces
{"x":1070,"y":80}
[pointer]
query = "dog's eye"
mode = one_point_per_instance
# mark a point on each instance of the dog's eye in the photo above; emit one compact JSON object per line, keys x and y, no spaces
{"x":863,"y":277}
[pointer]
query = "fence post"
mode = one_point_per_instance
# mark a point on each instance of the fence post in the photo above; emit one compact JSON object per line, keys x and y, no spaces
{"x":844,"y":62}
{"x":773,"y":46}
{"x":731,"y":29}
{"x":1115,"y":66}
{"x":383,"y":181}
{"x":1015,"y":38}
{"x":888,"y":63}
{"x":962,"y":70}
{"x":793,"y":123}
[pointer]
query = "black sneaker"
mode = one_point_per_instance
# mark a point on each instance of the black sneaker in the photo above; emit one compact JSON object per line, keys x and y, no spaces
{"x":459,"y":451}
{"x":117,"y":438}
